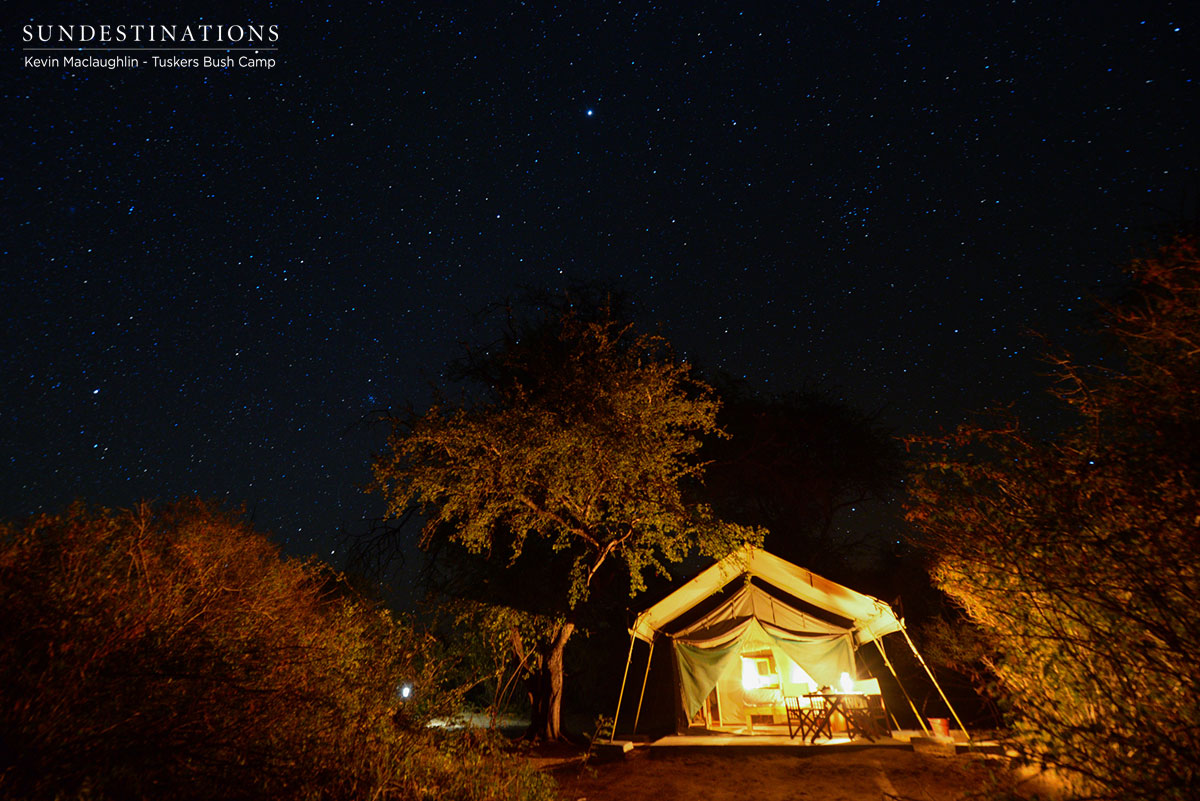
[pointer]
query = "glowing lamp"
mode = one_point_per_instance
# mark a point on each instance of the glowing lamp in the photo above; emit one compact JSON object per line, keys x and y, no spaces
{"x":847,"y":683}
{"x":749,"y":675}
{"x":406,"y":691}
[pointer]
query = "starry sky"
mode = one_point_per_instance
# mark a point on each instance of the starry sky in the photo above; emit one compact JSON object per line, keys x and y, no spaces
{"x":213,"y":277}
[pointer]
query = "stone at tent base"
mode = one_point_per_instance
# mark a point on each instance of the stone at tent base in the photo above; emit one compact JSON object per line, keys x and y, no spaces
{"x":934,"y":746}
{"x":610,"y":752}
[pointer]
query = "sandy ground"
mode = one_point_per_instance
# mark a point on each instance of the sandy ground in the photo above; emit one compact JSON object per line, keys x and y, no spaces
{"x":874,"y":774}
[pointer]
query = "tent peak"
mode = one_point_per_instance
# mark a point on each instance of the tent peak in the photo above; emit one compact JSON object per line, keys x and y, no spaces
{"x":869,"y":618}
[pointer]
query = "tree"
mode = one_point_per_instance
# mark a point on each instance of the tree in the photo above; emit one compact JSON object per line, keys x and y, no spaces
{"x":568,"y":463}
{"x":1077,"y":553}
{"x":792,"y":465}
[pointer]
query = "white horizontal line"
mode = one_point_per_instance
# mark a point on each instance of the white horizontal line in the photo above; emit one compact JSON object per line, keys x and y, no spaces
{"x":138,"y":49}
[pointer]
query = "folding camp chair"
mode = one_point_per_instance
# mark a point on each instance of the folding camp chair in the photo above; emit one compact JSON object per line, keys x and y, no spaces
{"x":865,"y":716}
{"x":805,"y":720}
{"x":858,"y":719}
{"x":875,"y":719}
{"x":798,"y":717}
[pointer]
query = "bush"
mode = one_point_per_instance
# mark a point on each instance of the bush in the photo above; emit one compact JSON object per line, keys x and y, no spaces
{"x":172,"y":653}
{"x":1076,"y":554}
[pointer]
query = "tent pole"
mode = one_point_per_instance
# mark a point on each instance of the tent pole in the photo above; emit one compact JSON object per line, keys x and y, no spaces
{"x":628,"y":659}
{"x":645,"y":676}
{"x":920,"y":719}
{"x":932,"y":678}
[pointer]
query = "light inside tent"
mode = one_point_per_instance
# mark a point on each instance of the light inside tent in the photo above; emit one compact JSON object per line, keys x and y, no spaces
{"x":750,"y":678}
{"x":847,"y":683}
{"x":758,"y":672}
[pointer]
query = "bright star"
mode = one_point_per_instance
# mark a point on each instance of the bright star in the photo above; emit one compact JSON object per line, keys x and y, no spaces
{"x":590,"y":112}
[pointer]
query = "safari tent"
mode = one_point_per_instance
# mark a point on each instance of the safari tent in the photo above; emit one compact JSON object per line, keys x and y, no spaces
{"x":725,"y":648}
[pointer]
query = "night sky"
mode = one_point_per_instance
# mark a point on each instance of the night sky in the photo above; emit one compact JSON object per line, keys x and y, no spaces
{"x":212,"y":277}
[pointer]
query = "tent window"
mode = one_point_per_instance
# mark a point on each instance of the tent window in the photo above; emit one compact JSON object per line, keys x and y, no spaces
{"x":759,"y":671}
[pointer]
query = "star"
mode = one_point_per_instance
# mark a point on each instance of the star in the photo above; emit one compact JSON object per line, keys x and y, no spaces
{"x":326,"y":258}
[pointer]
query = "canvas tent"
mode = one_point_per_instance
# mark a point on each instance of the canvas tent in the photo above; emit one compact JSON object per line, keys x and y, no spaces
{"x":751,"y":625}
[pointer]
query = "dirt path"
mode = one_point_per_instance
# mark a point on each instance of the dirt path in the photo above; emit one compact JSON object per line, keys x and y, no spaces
{"x":866,"y":775}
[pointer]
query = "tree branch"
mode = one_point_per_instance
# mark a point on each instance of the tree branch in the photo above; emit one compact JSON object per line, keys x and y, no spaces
{"x":574,"y":528}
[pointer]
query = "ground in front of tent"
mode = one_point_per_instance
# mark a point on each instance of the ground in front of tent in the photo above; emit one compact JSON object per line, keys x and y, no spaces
{"x":865,"y":774}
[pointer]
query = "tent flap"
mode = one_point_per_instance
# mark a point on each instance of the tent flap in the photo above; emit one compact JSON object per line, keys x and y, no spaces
{"x":699,"y":669}
{"x":824,"y":657}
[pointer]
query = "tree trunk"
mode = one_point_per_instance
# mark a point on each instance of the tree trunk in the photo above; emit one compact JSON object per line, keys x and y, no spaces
{"x":546,"y":689}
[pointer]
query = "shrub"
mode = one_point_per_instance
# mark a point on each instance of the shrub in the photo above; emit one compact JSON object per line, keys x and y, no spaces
{"x":171,"y":652}
{"x":1076,"y":554}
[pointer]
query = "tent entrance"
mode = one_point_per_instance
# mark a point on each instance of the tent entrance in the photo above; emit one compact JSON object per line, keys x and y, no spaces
{"x":750,"y":684}
{"x":752,"y":669}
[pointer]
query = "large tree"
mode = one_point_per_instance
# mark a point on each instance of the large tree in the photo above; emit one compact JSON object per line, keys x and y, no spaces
{"x":569,"y":456}
{"x":795,"y":465}
{"x":1076,"y":552}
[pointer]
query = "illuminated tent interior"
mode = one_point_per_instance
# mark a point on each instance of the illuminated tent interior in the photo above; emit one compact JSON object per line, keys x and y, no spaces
{"x":727,"y":646}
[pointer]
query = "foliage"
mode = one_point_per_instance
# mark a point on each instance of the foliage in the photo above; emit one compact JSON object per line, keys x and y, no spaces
{"x":171,"y":652}
{"x":581,"y":441}
{"x":498,"y":646}
{"x":601,"y":729}
{"x":963,"y":648}
{"x":584,"y":443}
{"x":1077,"y":555}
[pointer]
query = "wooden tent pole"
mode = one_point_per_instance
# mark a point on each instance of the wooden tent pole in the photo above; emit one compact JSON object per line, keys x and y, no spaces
{"x":933,"y":678}
{"x":645,"y":676}
{"x":920,"y":719}
{"x":617,"y":715}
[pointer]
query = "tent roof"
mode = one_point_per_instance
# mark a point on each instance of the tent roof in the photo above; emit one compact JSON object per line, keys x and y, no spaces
{"x":869,"y":617}
{"x":745,"y":603}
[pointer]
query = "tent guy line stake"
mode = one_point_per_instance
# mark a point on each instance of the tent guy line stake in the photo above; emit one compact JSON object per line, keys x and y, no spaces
{"x":617,"y":715}
{"x":920,"y":719}
{"x":645,"y":676}
{"x":921,"y":659}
